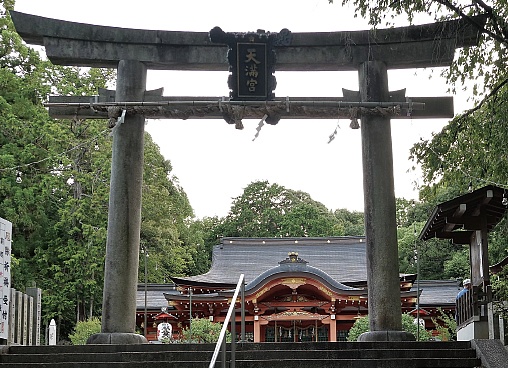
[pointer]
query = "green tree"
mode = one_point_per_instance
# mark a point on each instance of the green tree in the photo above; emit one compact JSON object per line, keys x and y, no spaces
{"x":353,"y":222}
{"x":52,"y":226}
{"x":434,"y":255}
{"x":458,"y":265}
{"x":471,"y":148}
{"x":85,"y":329}
{"x":446,"y":326}
{"x":483,"y":65}
{"x":59,"y":209}
{"x":361,"y":325}
{"x":271,"y":210}
{"x":204,"y":331}
{"x":174,"y":249}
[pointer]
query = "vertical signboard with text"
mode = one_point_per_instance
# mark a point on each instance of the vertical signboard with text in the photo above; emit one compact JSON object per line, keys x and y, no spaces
{"x":251,"y":58}
{"x":252,"y":73}
{"x":5,"y":276}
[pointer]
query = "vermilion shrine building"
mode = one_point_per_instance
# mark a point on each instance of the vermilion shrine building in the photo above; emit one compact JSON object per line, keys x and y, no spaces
{"x":297,"y":289}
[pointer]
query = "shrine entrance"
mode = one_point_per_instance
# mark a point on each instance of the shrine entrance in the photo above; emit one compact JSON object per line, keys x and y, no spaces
{"x":133,"y":52}
{"x":296,"y":331}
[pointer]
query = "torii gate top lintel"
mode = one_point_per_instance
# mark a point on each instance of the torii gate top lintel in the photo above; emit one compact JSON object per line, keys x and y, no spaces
{"x":79,"y":44}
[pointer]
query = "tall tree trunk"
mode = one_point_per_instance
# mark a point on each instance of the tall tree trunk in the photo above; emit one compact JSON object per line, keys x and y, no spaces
{"x":91,"y":297}
{"x":58,"y":324}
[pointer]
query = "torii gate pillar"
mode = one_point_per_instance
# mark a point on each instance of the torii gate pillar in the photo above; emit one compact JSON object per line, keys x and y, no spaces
{"x":124,"y":219}
{"x":385,"y":323}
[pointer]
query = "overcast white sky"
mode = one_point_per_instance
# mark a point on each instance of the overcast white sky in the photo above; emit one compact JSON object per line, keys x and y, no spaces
{"x":213,"y":161}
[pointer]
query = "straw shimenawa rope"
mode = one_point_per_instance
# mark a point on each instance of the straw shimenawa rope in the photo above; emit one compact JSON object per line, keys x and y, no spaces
{"x":233,"y":114}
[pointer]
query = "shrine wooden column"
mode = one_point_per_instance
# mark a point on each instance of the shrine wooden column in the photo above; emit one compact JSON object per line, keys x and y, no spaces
{"x":385,"y":318}
{"x":333,"y":329}
{"x":257,"y":331}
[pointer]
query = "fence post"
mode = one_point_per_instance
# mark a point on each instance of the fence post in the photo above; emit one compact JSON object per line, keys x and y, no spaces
{"x":12,"y":316}
{"x":19,"y":310}
{"x":30,"y":320}
{"x":24,"y":316}
{"x":36,"y":294}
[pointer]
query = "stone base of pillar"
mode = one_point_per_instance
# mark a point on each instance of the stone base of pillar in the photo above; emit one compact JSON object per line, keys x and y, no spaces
{"x":386,"y":336}
{"x":117,"y":338}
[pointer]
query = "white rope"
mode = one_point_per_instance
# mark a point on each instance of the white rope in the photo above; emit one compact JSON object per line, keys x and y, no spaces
{"x":260,"y":125}
{"x":118,"y":122}
{"x":334,"y":134}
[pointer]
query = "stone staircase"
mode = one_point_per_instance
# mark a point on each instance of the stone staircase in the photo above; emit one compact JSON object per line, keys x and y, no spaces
{"x":248,"y":355}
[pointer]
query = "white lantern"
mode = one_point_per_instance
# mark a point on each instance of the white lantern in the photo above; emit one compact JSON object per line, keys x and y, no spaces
{"x":164,"y":331}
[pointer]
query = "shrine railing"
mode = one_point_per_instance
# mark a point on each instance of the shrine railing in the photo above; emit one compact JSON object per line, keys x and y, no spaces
{"x":231,"y":316}
{"x":468,"y":306}
{"x":465,"y":309}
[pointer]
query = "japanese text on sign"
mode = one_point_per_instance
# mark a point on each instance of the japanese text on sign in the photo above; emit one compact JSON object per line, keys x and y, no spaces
{"x":252,"y":73}
{"x":5,"y":275}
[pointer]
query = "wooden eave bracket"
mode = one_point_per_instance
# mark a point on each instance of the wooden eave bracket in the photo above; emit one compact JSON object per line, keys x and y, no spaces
{"x":457,"y":215}
{"x":458,"y":237}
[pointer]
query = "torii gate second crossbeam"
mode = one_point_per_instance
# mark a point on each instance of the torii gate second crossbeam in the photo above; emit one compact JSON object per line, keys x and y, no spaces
{"x":132,"y":52}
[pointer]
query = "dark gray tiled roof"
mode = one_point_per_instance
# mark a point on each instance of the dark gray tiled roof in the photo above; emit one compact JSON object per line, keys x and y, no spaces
{"x":342,"y":258}
{"x":438,"y":292}
{"x":490,"y":198}
{"x":154,"y":297}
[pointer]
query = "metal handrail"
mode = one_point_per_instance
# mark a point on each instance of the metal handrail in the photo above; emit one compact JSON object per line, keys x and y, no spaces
{"x":222,"y":336}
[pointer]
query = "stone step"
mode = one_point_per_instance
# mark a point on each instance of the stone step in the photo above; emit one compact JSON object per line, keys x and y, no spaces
{"x":275,"y":363}
{"x":107,"y":348}
{"x":110,"y":357}
{"x":362,"y":363}
{"x":145,"y":364}
{"x":413,"y":345}
{"x":355,"y":354}
{"x":240,"y":355}
{"x":248,"y":355}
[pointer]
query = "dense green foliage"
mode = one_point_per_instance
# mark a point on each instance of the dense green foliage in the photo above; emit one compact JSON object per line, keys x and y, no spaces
{"x":204,"y":331}
{"x":500,"y":287}
{"x":484,"y":65}
{"x":361,"y":325}
{"x":59,"y":210}
{"x":270,"y":210}
{"x":166,"y":230}
{"x":85,"y":329}
{"x":353,"y":222}
{"x":446,"y":326}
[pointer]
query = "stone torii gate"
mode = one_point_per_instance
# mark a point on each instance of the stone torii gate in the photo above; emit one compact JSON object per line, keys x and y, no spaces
{"x":132,"y":52}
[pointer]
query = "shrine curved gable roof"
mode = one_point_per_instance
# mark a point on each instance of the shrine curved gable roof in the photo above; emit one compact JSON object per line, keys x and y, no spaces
{"x":295,"y":270}
{"x":337,"y":260}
